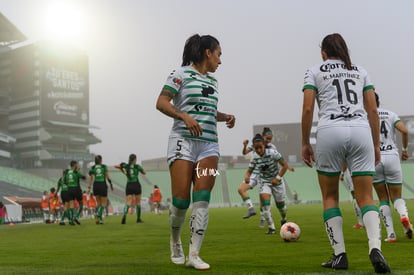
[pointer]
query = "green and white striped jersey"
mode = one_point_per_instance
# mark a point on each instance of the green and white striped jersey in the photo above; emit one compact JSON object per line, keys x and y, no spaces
{"x":197,"y":95}
{"x":267,"y":165}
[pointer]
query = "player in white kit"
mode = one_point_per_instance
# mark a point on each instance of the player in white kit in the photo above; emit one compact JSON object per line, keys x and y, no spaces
{"x":388,"y":177}
{"x":348,"y":132}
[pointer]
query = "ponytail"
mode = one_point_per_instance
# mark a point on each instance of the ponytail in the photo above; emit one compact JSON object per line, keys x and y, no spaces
{"x":335,"y":46}
{"x":195,"y":47}
{"x":131,"y":159}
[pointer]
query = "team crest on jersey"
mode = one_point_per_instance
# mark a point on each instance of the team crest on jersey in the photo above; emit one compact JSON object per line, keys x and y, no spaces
{"x":206,"y":91}
{"x":176,"y":81}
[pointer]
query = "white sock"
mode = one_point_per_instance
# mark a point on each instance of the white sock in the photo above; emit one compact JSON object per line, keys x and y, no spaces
{"x":268,"y":217}
{"x":373,"y":228}
{"x":177,"y":217}
{"x":198,"y":226}
{"x":282,"y":212}
{"x":335,"y":234}
{"x":386,"y":216}
{"x":357,"y":212}
{"x":262,"y":218}
{"x":400,"y":207}
{"x":249,"y":203}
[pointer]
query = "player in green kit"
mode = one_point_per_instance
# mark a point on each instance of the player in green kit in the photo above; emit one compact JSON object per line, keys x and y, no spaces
{"x":64,"y":195}
{"x":71,"y":178}
{"x":133,"y":187}
{"x":98,"y":176}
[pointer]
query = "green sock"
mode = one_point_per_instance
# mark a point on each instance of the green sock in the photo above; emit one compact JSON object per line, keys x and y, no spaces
{"x":62,"y":219}
{"x":79,"y":210}
{"x":138,"y":209}
{"x":71,"y":212}
{"x":100,"y":210}
{"x":126,"y":208}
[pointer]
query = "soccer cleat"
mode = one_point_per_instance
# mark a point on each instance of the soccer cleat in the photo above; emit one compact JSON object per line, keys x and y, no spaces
{"x":271,"y":231}
{"x":62,"y":223}
{"x":139,"y":221}
{"x":250,"y":212}
{"x":100,"y":222}
{"x":337,"y":262}
{"x":177,"y":254}
{"x":378,"y":261}
{"x":283,"y":221}
{"x":358,"y":226}
{"x":197,"y":263}
{"x":391,"y":238}
{"x":71,"y":223}
{"x":262,"y":223}
{"x":77,"y":221}
{"x":123,"y":219}
{"x":408,"y":227}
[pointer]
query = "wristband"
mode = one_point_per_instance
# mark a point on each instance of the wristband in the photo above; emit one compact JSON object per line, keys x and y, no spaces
{"x":278,"y":177}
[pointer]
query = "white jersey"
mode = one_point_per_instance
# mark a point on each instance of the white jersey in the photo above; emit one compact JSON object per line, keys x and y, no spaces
{"x":196,"y":95}
{"x":388,"y":120}
{"x":339,"y":93}
{"x":266,"y":164}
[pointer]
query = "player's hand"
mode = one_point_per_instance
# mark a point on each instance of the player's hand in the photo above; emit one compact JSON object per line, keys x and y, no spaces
{"x":112,"y":187}
{"x":404,"y":155}
{"x":230,"y":121}
{"x":192,"y":125}
{"x":275,"y":181}
{"x":291,"y":169}
{"x":308,"y":156}
{"x":245,"y":142}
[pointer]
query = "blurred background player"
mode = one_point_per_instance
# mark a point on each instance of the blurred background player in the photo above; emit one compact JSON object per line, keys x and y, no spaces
{"x":133,"y":189}
{"x":44,"y":204}
{"x":156,"y":199}
{"x":98,"y":178}
{"x":72,"y":180}
{"x":388,"y":176}
{"x":64,"y":195}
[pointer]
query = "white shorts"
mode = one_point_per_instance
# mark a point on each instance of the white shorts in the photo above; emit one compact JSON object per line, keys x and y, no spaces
{"x":334,"y":145}
{"x":254,"y":180}
{"x":389,"y":170}
{"x":190,"y":149}
{"x":278,"y":191}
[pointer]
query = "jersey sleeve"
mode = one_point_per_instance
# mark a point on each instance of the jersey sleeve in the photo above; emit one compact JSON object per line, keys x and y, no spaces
{"x":174,"y":82}
{"x":309,"y":81}
{"x":368,"y":85}
{"x":395,"y":118}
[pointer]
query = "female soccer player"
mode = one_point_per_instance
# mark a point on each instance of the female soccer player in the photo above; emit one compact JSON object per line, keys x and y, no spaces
{"x":193,"y":149}
{"x":64,"y":195}
{"x":133,"y":188}
{"x":266,"y":160}
{"x":71,"y":178}
{"x":98,"y":177}
{"x":348,"y":131}
{"x":388,"y":174}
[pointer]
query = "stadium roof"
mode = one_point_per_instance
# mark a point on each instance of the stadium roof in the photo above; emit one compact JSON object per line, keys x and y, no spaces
{"x":9,"y":34}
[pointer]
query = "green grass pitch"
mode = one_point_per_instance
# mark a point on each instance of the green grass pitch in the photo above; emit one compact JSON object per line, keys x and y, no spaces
{"x":232,"y":246}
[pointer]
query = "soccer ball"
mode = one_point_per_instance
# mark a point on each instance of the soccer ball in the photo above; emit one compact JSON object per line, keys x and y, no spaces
{"x":290,"y":232}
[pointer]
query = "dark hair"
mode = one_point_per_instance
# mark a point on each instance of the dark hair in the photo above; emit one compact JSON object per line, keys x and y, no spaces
{"x":155,"y":186}
{"x":131,"y":159}
{"x":267,"y":131}
{"x":98,"y":159}
{"x":334,"y":46}
{"x":195,"y":46}
{"x":52,"y":190}
{"x":257,"y":138}
{"x":377,"y":99}
{"x":73,"y":162}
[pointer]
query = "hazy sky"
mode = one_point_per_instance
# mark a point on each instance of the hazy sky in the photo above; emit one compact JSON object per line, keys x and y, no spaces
{"x":267,"y":45}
